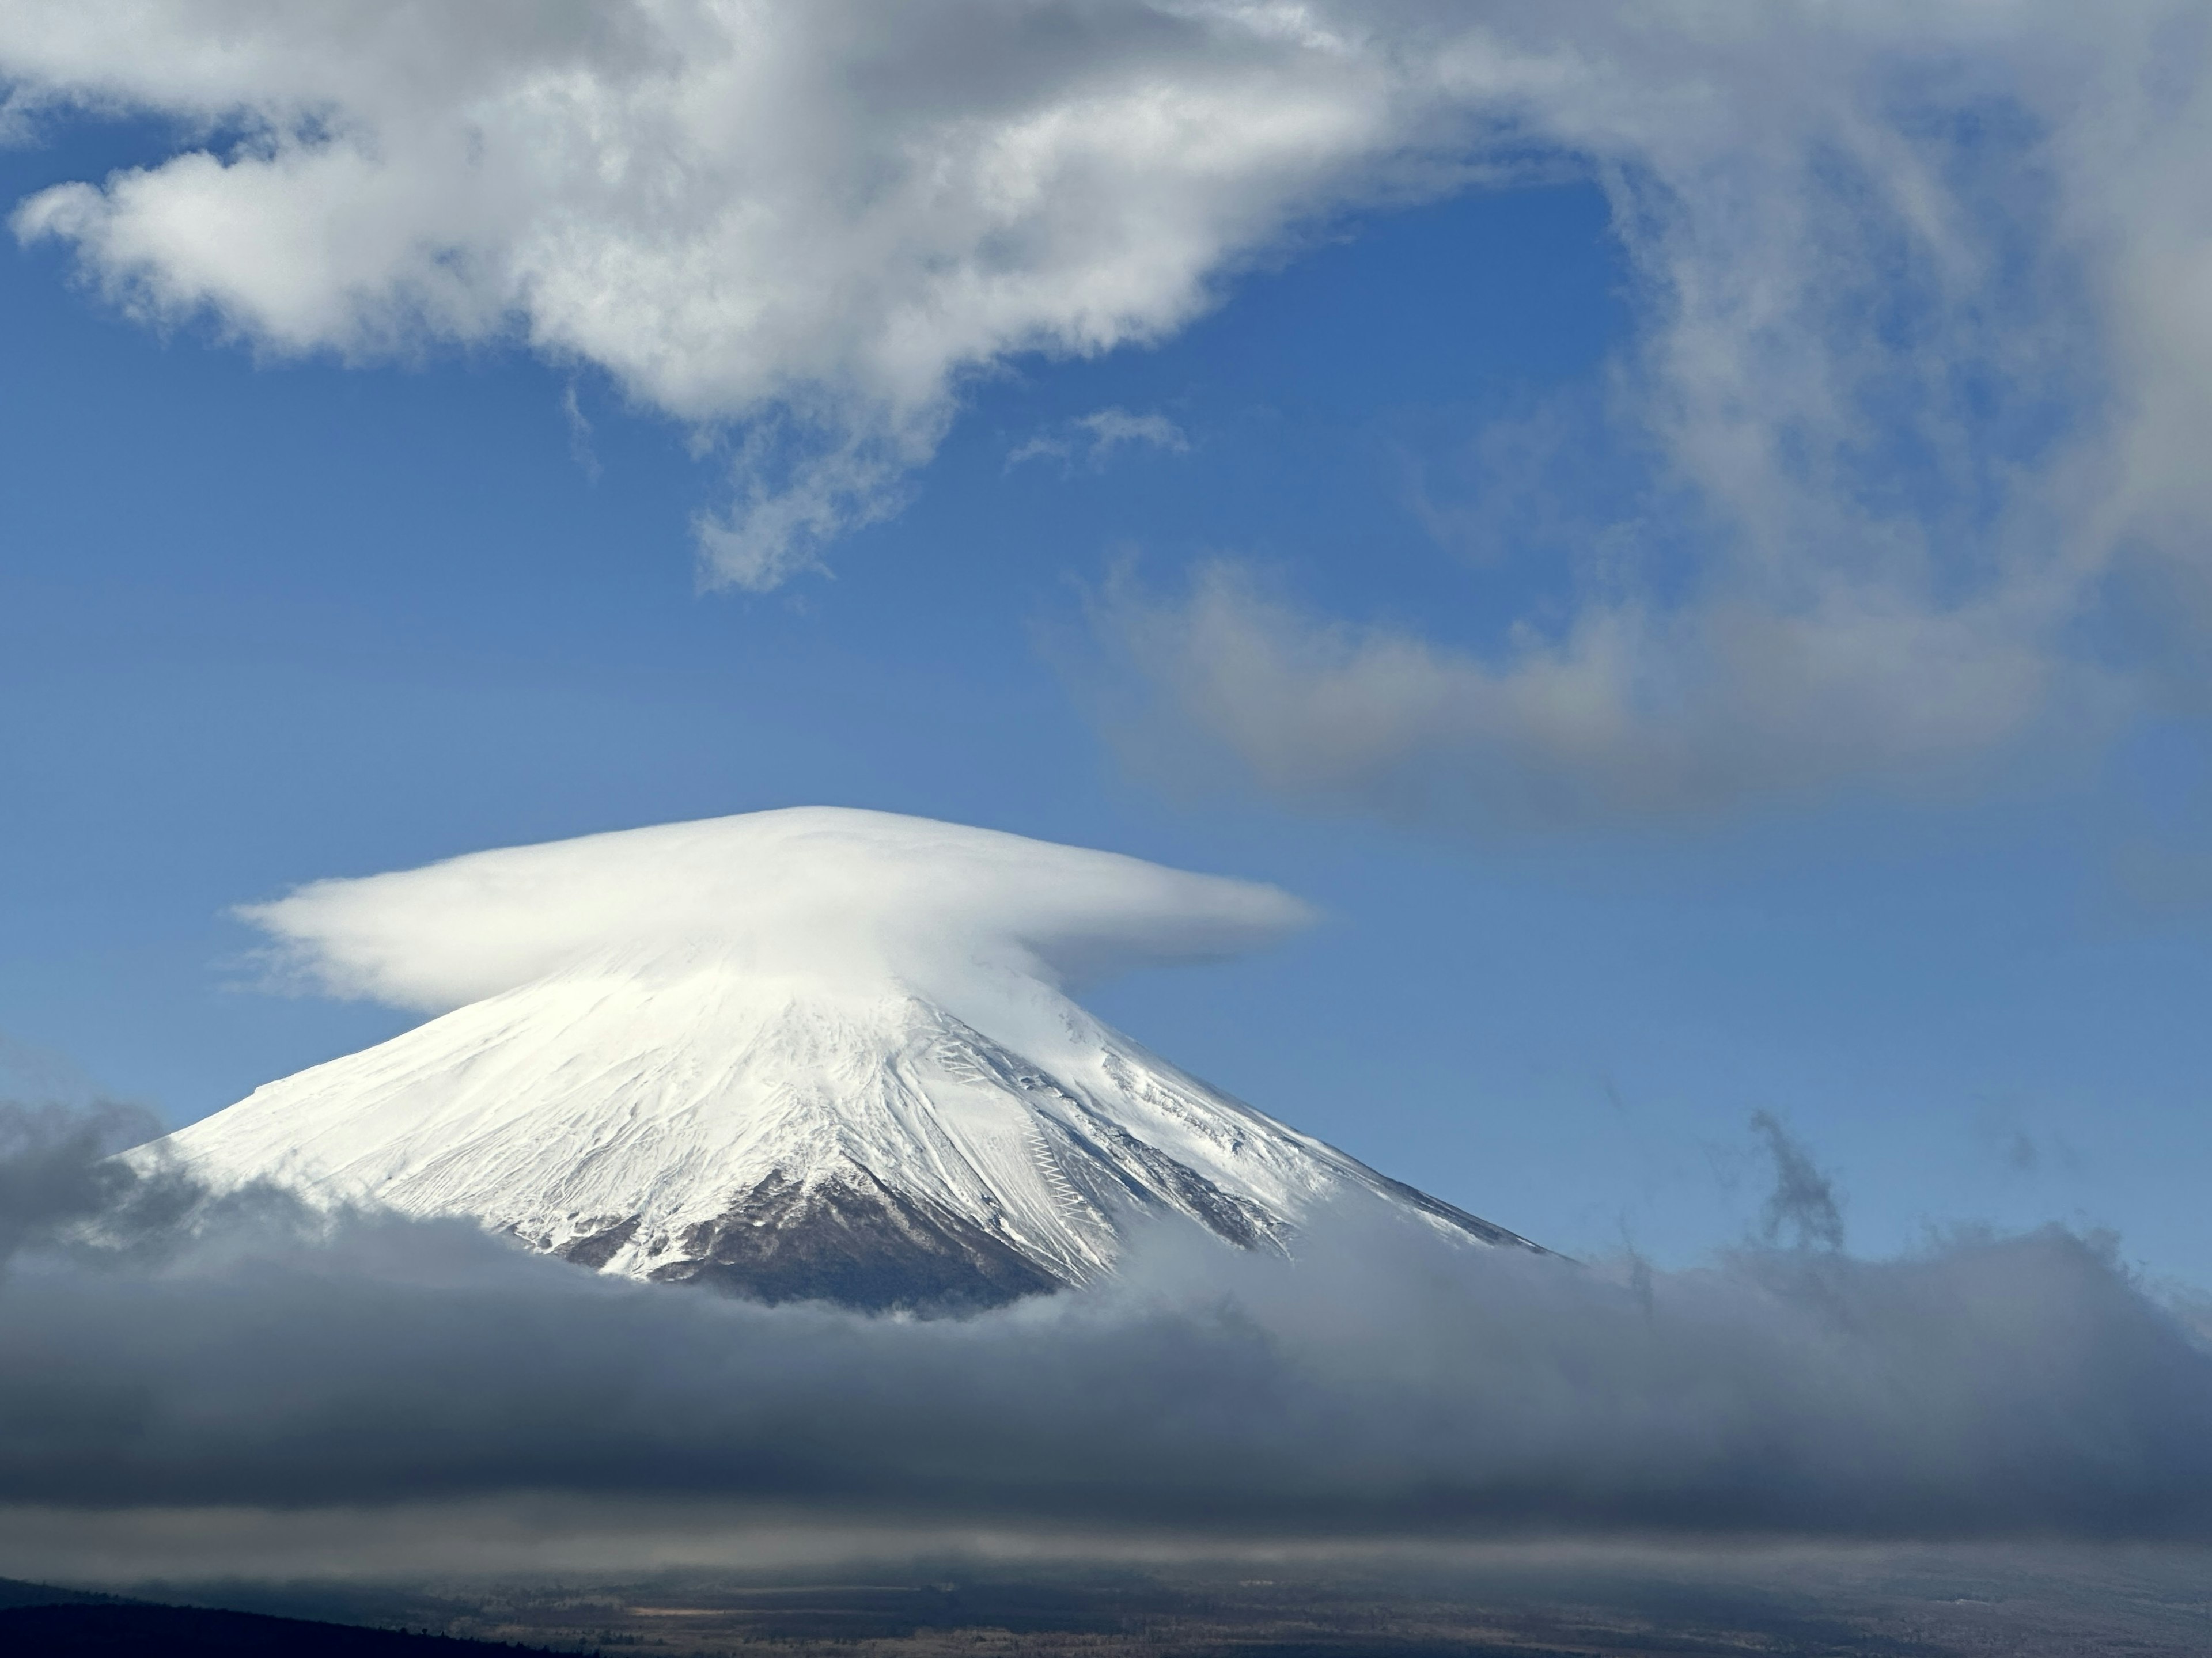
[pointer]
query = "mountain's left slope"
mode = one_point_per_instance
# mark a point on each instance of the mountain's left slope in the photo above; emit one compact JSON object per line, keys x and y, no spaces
{"x":809,"y":1054}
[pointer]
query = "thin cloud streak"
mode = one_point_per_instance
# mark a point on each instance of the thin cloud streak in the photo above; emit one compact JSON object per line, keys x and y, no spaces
{"x":1096,"y":436}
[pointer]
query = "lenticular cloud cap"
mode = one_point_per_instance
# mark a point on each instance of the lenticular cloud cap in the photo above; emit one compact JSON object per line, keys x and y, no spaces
{"x":814,"y":888}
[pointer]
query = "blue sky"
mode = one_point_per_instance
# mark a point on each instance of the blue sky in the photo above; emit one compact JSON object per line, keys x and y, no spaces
{"x":295,"y":593}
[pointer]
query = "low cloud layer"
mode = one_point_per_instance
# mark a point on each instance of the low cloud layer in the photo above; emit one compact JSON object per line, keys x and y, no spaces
{"x":1385,"y":1383}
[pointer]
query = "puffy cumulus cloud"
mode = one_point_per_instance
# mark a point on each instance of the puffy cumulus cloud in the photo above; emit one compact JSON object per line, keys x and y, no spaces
{"x":805,"y":888}
{"x":253,"y":1358}
{"x":813,"y":217}
{"x":1925,"y":341}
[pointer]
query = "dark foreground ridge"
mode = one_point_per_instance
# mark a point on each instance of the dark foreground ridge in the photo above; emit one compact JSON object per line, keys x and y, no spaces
{"x":41,"y":1622}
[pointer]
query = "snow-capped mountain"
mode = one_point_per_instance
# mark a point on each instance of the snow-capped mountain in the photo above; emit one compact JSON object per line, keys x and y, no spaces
{"x":810,"y":1054}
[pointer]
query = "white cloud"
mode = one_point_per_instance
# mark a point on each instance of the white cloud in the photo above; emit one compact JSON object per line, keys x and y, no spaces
{"x":1927,"y":334}
{"x":1925,"y":350}
{"x":1631,"y":713}
{"x":827,"y":213}
{"x":1096,"y":435}
{"x":807,"y":888}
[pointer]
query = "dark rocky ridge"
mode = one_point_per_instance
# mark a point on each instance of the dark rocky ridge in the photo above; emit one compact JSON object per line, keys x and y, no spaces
{"x":856,"y":1241}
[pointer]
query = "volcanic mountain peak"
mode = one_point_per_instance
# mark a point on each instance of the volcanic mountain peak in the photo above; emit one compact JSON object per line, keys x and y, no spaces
{"x":884,"y":1104}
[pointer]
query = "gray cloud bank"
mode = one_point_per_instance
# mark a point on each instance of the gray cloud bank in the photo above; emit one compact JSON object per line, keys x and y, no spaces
{"x":250,"y":1356}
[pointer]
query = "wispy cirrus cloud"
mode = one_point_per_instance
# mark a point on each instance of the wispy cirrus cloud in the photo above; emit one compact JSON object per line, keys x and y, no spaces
{"x":1638,"y":711}
{"x":1093,"y":438}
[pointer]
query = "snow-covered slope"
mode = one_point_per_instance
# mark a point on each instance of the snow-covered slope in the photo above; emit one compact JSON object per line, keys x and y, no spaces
{"x":809,"y":1054}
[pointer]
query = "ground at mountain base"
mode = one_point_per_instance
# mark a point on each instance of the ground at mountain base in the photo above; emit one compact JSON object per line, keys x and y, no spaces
{"x":1918,"y":1601}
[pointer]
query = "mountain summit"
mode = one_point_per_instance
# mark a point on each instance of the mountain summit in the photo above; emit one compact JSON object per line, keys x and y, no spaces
{"x":811,"y":1053}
